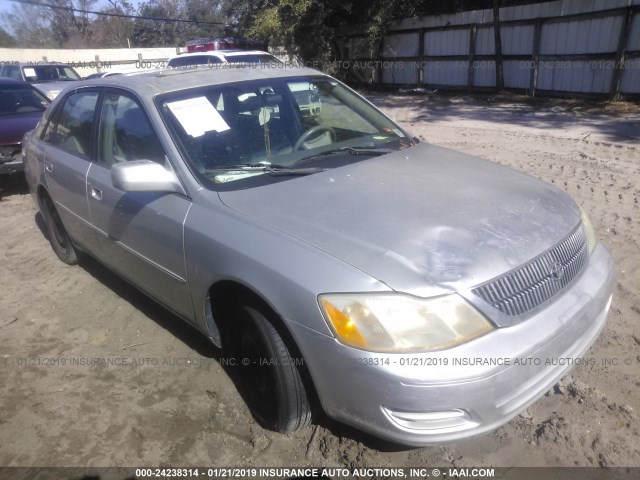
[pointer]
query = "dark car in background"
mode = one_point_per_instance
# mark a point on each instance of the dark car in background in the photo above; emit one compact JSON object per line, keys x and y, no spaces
{"x":49,"y":78}
{"x":21,"y":108}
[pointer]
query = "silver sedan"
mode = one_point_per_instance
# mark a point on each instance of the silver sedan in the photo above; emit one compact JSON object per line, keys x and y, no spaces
{"x":417,"y":293}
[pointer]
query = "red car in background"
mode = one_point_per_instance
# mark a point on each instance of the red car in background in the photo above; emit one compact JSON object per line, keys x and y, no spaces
{"x":21,"y":108}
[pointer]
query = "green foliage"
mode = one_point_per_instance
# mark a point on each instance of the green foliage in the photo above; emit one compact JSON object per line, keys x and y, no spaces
{"x":113,"y":32}
{"x":6,"y":40}
{"x":309,"y":28}
{"x":149,"y":33}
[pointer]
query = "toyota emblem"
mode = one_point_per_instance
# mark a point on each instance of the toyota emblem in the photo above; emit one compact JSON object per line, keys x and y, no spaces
{"x":556,"y":271}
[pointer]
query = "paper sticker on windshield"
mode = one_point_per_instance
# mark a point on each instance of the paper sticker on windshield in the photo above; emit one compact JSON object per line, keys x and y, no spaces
{"x":29,"y":72}
{"x":398,"y":132}
{"x":231,"y":176}
{"x":197,"y":116}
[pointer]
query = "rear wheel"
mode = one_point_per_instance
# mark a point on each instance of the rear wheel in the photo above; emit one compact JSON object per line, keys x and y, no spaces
{"x":58,"y":237}
{"x":269,"y":375}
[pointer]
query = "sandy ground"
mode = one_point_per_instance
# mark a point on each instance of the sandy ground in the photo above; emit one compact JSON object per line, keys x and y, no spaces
{"x":169,"y":402}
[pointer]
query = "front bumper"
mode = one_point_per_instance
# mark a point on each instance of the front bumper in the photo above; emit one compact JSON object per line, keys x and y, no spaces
{"x":11,"y":165}
{"x":11,"y":159}
{"x":9,"y":168}
{"x":422,"y":399}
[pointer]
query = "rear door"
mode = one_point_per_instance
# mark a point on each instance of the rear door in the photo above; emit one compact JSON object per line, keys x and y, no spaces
{"x":141,"y":233}
{"x":68,"y":153}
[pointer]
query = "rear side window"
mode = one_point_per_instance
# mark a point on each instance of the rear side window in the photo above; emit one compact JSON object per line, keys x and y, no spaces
{"x":126,"y":133}
{"x":72,"y":129}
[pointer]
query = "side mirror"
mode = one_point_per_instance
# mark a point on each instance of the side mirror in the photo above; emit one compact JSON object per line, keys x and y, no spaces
{"x":144,"y":176}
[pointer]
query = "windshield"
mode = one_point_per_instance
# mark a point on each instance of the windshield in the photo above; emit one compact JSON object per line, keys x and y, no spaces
{"x":228,"y":132}
{"x":21,"y":99}
{"x":49,"y":73}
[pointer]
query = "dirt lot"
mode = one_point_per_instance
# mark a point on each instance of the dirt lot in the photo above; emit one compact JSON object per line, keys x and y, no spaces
{"x":171,"y":403}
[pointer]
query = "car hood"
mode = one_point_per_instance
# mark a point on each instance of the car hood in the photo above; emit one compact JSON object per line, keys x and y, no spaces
{"x":53,"y":87}
{"x":13,"y":127}
{"x":426,"y":220}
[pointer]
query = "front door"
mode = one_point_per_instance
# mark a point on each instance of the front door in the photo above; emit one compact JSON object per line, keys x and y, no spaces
{"x":67,"y":160}
{"x":141,"y":233}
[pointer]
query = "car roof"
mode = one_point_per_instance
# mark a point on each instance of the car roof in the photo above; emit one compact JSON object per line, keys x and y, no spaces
{"x":149,"y":84}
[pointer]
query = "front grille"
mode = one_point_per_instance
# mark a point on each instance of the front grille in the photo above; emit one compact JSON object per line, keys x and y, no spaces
{"x":529,"y":286}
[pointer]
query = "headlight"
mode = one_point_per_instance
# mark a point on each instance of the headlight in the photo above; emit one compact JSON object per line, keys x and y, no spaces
{"x":401,"y":323}
{"x":588,"y":230}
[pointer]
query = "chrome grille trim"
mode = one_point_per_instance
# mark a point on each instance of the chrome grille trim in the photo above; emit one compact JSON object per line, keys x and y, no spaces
{"x":526,"y":288}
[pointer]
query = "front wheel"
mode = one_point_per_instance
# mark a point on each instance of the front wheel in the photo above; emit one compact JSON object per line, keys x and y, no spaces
{"x":269,"y":375}
{"x":58,"y":237}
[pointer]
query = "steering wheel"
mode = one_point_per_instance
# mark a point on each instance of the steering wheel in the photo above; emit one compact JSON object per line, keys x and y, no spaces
{"x":313,"y":131}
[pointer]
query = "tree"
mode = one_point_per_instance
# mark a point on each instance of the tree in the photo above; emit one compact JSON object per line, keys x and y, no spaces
{"x":114,"y":32}
{"x":311,"y":27}
{"x":29,"y":25}
{"x":71,"y":29}
{"x":6,"y":40}
{"x":151,"y":33}
{"x":202,"y":11}
{"x":307,"y":26}
{"x":34,"y":26}
{"x":156,"y":33}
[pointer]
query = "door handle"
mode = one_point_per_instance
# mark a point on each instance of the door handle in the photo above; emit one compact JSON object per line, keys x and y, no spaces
{"x":96,"y":193}
{"x":48,"y":167}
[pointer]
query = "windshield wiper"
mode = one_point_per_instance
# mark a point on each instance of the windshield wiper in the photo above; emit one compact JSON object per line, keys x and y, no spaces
{"x":293,"y":171}
{"x":244,"y":167}
{"x":371,"y":151}
{"x":271,"y":169}
{"x":366,"y":150}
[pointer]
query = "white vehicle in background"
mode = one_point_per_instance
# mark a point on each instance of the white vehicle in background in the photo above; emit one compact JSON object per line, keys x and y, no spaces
{"x":101,"y":75}
{"x":222,"y":58}
{"x":204,"y":53}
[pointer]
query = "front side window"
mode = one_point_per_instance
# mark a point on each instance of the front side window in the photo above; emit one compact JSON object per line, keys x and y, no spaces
{"x":227,"y":132}
{"x":126,"y":133}
{"x":74,"y":126}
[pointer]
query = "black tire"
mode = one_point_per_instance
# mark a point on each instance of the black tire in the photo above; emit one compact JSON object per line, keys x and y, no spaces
{"x":58,"y":237}
{"x":269,"y":379}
